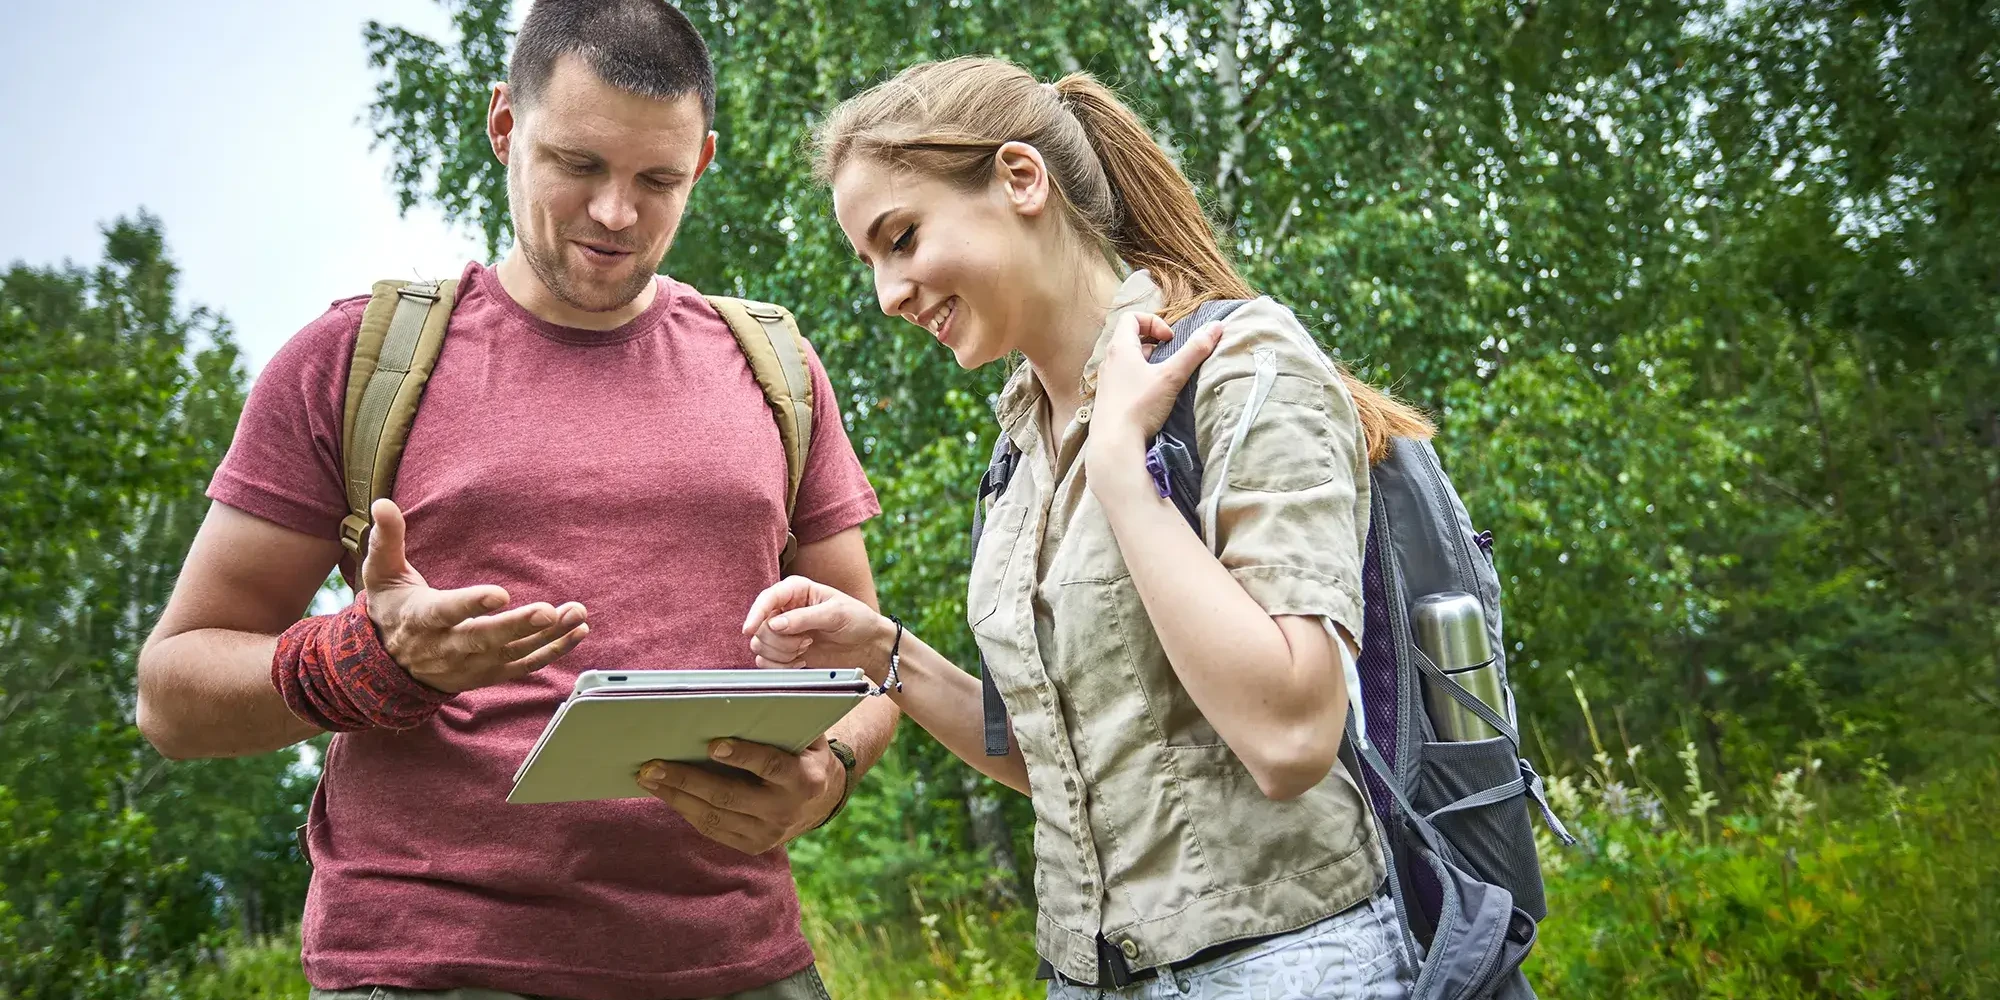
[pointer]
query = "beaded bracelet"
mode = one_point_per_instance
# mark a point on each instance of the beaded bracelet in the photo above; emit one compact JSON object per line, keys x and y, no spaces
{"x":891,"y":681}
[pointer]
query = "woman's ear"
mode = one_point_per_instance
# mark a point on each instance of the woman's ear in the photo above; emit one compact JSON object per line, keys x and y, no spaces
{"x":1022,"y":177}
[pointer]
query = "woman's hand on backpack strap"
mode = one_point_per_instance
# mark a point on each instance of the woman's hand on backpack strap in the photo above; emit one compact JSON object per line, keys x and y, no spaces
{"x":798,"y":622}
{"x":1134,"y":396}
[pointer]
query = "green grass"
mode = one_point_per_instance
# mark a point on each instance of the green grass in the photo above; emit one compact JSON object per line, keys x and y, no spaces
{"x":956,"y":953}
{"x":265,"y":969}
{"x":1868,"y":891}
{"x":1896,"y":896}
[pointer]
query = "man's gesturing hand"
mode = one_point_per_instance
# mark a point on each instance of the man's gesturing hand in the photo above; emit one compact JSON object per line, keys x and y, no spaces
{"x":779,"y":798}
{"x":456,"y":640}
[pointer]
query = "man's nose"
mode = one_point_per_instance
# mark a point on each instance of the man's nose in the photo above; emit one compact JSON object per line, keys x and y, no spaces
{"x":612,"y":207}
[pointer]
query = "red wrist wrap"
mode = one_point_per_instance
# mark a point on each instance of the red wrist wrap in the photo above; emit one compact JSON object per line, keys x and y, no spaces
{"x":334,"y":673}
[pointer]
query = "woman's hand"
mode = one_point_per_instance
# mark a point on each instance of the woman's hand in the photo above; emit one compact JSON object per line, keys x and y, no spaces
{"x":1134,"y":396}
{"x":798,"y":622}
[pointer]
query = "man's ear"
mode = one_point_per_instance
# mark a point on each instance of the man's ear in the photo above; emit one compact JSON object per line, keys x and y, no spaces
{"x":500,"y":122}
{"x":707,"y":157}
{"x":1023,"y":177}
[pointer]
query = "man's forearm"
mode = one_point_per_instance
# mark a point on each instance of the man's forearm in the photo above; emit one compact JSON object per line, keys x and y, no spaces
{"x":208,"y":693}
{"x":868,"y":730}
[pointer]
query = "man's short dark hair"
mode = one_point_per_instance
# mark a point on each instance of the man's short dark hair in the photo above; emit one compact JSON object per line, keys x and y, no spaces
{"x":645,"y":47}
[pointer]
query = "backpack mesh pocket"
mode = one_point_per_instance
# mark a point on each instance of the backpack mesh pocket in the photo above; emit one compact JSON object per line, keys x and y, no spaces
{"x":1496,"y":841}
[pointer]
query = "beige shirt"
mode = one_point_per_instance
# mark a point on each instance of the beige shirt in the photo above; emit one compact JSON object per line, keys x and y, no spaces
{"x":1149,"y":830}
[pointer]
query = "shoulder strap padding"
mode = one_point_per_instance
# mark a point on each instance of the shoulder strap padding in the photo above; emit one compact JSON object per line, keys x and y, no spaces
{"x":402,"y":333}
{"x":770,"y":339}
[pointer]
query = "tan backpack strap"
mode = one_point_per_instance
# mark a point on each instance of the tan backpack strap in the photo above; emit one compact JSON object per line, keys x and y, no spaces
{"x":402,"y":333}
{"x":776,"y":350}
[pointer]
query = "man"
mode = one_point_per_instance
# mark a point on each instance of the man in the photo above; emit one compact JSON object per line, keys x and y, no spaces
{"x":594,"y":475}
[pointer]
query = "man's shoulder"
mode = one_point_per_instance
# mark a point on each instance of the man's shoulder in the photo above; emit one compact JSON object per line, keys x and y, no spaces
{"x":691,"y":303}
{"x":333,"y":333}
{"x":685,"y":300}
{"x":323,"y":345}
{"x":340,"y":322}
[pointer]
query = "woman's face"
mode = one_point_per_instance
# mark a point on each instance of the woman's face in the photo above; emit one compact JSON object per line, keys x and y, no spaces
{"x":967,"y":266}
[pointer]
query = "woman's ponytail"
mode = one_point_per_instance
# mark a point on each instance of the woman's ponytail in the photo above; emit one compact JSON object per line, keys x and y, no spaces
{"x":1162,"y":228}
{"x":1160,"y":224}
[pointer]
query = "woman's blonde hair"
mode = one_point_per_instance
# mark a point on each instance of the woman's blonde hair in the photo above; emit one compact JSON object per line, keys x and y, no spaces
{"x":1113,"y":181}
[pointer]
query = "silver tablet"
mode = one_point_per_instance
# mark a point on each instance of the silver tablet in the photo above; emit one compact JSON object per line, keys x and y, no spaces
{"x":595,"y":744}
{"x":599,"y":683}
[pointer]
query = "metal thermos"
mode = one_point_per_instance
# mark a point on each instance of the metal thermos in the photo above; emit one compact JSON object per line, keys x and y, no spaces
{"x":1451,"y":629}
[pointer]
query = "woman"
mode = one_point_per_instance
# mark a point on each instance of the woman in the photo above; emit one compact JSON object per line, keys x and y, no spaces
{"x":1177,"y":704}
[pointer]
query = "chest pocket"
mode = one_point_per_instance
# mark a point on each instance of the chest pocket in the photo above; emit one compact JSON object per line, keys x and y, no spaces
{"x":995,"y":554}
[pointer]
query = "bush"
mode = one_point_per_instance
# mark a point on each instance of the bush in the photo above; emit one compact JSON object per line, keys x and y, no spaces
{"x":1863,"y":891}
{"x":962,"y":954}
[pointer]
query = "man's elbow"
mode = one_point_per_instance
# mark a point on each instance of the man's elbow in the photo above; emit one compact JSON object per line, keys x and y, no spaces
{"x":155,"y":724}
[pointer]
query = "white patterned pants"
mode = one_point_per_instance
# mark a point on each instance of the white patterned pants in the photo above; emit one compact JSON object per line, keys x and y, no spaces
{"x":1352,"y":955}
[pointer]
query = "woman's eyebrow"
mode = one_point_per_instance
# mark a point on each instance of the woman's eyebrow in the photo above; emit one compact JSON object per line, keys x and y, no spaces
{"x":875,"y":226}
{"x":868,"y":238}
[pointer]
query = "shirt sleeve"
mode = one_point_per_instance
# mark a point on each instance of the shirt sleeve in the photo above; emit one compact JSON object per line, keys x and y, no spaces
{"x":834,"y":493}
{"x":1285,"y":468}
{"x":284,"y":463}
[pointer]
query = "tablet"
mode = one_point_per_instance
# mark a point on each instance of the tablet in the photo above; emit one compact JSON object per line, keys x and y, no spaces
{"x":602,"y":682}
{"x":592,"y":748}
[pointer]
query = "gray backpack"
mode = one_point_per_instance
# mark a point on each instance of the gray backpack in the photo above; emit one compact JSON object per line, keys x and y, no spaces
{"x":1453,"y":817}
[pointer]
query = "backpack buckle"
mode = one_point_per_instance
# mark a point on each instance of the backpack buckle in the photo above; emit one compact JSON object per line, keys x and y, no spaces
{"x":353,"y":533}
{"x":422,"y":291}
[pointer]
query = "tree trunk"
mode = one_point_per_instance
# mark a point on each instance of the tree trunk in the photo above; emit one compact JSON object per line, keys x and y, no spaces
{"x":1229,"y":84}
{"x":1833,"y":483}
{"x":992,"y":838}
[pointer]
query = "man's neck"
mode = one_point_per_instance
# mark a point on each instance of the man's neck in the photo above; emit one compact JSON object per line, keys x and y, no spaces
{"x":525,"y":287}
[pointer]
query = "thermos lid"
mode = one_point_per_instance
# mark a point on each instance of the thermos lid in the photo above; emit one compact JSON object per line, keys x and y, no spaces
{"x":1451,"y":628}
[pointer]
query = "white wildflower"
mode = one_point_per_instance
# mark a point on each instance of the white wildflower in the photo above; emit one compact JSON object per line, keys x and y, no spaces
{"x":1788,"y":803}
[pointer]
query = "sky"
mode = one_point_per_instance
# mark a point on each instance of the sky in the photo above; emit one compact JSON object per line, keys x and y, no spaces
{"x":241,"y":124}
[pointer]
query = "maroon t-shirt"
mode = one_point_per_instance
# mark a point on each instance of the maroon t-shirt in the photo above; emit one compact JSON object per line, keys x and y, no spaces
{"x":637,"y":470}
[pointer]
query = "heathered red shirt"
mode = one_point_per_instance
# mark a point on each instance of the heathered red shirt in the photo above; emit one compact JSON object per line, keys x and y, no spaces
{"x":637,"y":470}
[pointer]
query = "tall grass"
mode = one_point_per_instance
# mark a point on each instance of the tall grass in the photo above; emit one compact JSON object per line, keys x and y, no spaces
{"x":945,"y":953}
{"x":1865,"y":890}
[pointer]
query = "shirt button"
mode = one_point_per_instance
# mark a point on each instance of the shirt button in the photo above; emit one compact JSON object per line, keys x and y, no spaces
{"x":1130,"y":948}
{"x":1083,"y":414}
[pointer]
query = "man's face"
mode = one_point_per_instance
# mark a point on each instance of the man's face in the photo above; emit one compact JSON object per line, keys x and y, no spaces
{"x":597,"y":179}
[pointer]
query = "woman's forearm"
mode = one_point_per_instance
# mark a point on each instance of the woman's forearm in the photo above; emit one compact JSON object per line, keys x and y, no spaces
{"x":947,"y":702}
{"x":1272,"y":688}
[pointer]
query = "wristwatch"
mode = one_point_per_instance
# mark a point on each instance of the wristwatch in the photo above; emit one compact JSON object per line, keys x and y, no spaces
{"x":845,"y":754}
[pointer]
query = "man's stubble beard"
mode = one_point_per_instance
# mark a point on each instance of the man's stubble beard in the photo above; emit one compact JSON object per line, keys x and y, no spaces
{"x":552,"y":268}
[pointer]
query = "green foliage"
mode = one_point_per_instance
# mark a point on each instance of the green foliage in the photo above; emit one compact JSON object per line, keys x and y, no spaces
{"x":114,"y":864}
{"x":261,"y":968}
{"x":1701,"y":291}
{"x":956,"y":953}
{"x":1698,"y":290}
{"x":888,"y":861}
{"x":1804,"y":891}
